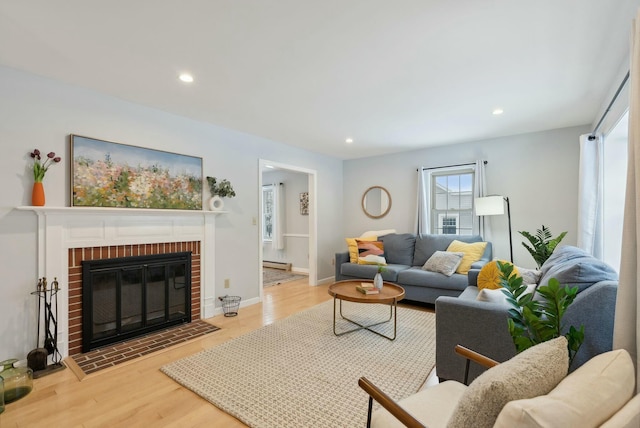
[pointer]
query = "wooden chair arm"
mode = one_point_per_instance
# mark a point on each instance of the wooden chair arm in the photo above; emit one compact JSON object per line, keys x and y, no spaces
{"x":475,"y":357}
{"x":387,"y":402}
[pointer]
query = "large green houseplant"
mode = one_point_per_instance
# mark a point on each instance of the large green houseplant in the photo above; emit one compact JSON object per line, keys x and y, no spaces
{"x":542,"y":245}
{"x":534,"y":321}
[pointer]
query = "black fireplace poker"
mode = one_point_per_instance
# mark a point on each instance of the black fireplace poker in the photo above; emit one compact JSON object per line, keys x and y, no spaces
{"x":37,"y":359}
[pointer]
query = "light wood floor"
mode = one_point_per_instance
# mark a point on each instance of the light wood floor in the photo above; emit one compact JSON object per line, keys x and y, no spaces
{"x":137,"y":394}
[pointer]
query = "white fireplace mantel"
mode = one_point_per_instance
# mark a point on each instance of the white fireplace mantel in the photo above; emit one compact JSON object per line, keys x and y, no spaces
{"x":62,"y":228}
{"x":117,"y":211}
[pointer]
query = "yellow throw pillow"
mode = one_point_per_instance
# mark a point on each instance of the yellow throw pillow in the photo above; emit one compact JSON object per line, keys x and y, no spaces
{"x":489,"y":275}
{"x":472,"y":253}
{"x":353,"y":247}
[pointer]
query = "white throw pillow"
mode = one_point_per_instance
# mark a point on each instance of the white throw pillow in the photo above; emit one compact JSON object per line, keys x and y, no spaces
{"x":444,"y":262}
{"x":378,"y":233}
{"x":497,"y":296}
{"x":530,"y":276}
{"x":531,"y":373}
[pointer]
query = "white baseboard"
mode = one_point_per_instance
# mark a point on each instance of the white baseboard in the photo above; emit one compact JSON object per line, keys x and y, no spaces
{"x":329,"y":280}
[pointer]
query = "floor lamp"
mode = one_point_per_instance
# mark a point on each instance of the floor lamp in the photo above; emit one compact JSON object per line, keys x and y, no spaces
{"x":494,"y":205}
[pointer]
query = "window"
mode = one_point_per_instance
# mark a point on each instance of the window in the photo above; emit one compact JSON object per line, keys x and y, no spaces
{"x":448,"y":224}
{"x":452,"y":202}
{"x":267,"y":213}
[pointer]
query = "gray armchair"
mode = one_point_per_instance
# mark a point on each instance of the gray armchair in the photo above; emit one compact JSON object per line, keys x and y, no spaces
{"x":482,"y":326}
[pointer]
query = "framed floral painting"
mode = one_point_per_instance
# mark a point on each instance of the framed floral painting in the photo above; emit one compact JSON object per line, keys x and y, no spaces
{"x":106,"y":174}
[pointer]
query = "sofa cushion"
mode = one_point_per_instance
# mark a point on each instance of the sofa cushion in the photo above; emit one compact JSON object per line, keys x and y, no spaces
{"x":472,"y":253}
{"x":587,"y":397}
{"x":355,"y":270}
{"x":532,"y":373}
{"x":353,"y":247}
{"x":422,"y":278}
{"x":574,"y":267}
{"x":371,"y":253}
{"x":399,"y":248}
{"x":426,"y":245}
{"x":444,"y":262}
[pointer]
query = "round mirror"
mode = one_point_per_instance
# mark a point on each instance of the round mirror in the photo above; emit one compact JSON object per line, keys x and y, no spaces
{"x":376,"y":202}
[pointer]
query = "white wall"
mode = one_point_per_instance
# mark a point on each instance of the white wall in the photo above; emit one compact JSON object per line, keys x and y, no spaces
{"x":296,"y":246}
{"x":537,"y":171}
{"x":41,"y":113}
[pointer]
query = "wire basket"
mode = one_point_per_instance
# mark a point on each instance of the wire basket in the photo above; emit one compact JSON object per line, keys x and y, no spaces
{"x":230,"y":305}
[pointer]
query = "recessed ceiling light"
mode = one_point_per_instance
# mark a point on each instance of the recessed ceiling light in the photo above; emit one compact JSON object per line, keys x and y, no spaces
{"x":186,"y":77}
{"x":349,"y":140}
{"x":497,"y":112}
{"x":269,"y":166}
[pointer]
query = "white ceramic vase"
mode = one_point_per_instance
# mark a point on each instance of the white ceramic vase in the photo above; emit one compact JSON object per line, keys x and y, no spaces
{"x":216,"y":203}
{"x":377,"y":281}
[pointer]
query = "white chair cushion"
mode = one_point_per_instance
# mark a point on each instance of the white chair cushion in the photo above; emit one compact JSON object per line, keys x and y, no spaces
{"x":585,"y":398}
{"x":627,"y":417}
{"x":432,"y":406}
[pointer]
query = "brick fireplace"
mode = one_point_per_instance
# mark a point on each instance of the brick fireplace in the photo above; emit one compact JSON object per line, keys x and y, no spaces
{"x":77,"y":255}
{"x":68,"y":235}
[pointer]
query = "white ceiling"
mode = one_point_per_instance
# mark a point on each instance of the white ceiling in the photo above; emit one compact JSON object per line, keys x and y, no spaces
{"x":393,"y":75}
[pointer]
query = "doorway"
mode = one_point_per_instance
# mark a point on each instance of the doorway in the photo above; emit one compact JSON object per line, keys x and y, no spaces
{"x":295,"y":192}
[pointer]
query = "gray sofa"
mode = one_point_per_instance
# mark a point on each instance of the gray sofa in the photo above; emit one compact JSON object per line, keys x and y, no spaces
{"x":406,"y":253}
{"x":482,"y":326}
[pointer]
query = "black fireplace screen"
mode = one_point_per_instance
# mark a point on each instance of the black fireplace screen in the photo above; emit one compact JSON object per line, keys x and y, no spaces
{"x":128,"y":297}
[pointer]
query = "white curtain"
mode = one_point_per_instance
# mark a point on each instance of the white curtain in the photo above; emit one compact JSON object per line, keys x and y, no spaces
{"x":626,"y":330}
{"x":423,"y":216}
{"x":481,"y":224}
{"x":590,"y":205}
{"x":277,"y":239}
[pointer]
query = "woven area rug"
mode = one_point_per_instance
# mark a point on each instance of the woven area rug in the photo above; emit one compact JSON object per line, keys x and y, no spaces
{"x":272,"y":276}
{"x":297,"y":373}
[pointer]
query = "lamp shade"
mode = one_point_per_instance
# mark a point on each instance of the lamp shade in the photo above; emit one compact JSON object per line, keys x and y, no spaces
{"x":489,"y":205}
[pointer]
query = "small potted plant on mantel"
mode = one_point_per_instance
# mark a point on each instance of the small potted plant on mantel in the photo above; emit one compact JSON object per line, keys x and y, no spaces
{"x":40,"y":168}
{"x":220,"y":190}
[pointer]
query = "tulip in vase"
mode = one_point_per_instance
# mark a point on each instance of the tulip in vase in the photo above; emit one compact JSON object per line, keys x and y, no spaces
{"x":39,"y":170}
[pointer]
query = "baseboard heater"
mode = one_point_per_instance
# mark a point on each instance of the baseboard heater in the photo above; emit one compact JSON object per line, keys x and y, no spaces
{"x":277,"y":265}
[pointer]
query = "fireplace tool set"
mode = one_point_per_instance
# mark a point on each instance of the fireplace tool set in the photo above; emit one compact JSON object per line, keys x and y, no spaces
{"x":47,"y":307}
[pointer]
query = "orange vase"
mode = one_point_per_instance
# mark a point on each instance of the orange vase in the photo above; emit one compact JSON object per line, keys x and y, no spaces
{"x":37,"y":195}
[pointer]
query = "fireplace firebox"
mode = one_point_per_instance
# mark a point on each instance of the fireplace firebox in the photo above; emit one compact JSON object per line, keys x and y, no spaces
{"x":128,"y":297}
